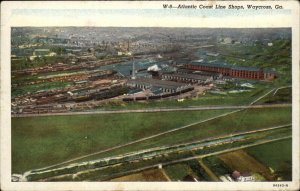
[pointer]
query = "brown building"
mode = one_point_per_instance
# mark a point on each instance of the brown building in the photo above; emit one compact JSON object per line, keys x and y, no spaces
{"x":232,"y":70}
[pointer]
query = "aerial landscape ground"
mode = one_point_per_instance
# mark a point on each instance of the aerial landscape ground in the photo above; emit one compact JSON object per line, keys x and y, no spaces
{"x":151,"y":104}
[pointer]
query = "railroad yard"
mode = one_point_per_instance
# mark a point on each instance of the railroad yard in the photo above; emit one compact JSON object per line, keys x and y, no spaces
{"x":193,"y":105}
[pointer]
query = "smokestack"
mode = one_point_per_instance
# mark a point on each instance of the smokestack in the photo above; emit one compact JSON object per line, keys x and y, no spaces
{"x":128,"y":46}
{"x":133,"y":71}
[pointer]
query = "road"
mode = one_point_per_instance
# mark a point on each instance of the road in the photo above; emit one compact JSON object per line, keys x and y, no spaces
{"x":210,"y":173}
{"x":261,"y":97}
{"x":165,"y":174}
{"x":280,"y":89}
{"x":151,"y":110}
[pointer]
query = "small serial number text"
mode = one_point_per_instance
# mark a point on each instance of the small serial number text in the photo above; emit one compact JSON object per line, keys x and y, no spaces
{"x":280,"y":185}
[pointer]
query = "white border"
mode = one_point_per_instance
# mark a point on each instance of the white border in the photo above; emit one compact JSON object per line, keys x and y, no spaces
{"x":8,"y":20}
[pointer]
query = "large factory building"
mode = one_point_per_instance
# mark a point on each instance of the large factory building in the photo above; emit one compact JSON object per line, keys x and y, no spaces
{"x":165,"y":86}
{"x":189,"y":78}
{"x":232,"y":70}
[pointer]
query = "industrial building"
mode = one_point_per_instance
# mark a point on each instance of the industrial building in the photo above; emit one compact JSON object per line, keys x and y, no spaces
{"x":232,"y":70}
{"x":165,"y":86}
{"x":214,"y":75}
{"x":189,"y":78}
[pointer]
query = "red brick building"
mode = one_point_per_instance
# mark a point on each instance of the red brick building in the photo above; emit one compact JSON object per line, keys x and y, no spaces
{"x":233,"y":70}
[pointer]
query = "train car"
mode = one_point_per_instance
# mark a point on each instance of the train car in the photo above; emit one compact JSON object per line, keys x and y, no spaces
{"x":127,"y":99}
{"x":140,"y":98}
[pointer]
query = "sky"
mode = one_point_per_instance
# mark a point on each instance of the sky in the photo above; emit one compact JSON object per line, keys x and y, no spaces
{"x":136,"y":14}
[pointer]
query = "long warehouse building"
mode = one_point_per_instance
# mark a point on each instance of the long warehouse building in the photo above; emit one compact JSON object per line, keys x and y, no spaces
{"x":232,"y":70}
{"x":166,"y":86}
{"x":188,"y":78}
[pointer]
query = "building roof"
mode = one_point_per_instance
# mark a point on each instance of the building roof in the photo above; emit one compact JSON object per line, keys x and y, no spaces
{"x":143,"y":74}
{"x":184,"y":70}
{"x":156,"y":90}
{"x":157,"y":83}
{"x":81,"y":82}
{"x":189,"y":71}
{"x":189,"y":76}
{"x":212,"y":64}
{"x":220,"y":64}
{"x":205,"y":73}
{"x":42,"y":50}
{"x":246,"y":68}
{"x":236,"y":174}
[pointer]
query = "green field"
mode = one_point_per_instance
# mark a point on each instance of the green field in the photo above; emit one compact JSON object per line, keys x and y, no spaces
{"x":277,"y":155}
{"x":217,"y":165}
{"x":246,"y":120}
{"x":38,"y":87}
{"x":277,"y":56}
{"x":283,"y":95}
{"x":42,"y":141}
{"x":234,"y":123}
{"x":178,"y":171}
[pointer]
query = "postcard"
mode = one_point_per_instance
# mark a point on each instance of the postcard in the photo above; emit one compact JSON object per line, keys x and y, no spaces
{"x":150,"y":95}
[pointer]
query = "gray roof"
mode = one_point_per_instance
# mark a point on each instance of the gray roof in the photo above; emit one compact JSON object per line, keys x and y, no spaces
{"x":189,"y":76}
{"x":42,"y":50}
{"x":225,"y":65}
{"x":157,"y":83}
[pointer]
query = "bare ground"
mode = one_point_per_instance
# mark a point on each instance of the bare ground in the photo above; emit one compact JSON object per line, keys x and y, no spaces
{"x":242,"y":162}
{"x":147,"y":175}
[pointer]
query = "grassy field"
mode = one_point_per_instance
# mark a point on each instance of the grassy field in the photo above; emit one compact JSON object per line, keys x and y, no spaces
{"x":277,"y":155}
{"x":217,"y":165}
{"x":178,"y":171}
{"x":37,"y":87}
{"x":38,"y":62}
{"x":246,"y":120}
{"x":42,"y":141}
{"x":282,"y":96}
{"x":277,"y":56}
